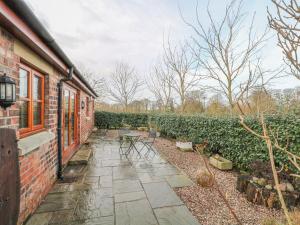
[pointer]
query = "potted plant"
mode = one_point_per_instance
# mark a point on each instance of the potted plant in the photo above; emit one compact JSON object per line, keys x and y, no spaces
{"x":184,"y":144}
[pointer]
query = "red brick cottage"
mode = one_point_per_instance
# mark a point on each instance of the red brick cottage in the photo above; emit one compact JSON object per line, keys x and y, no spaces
{"x":42,"y":72}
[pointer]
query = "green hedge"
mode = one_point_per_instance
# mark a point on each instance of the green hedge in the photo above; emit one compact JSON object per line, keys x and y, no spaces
{"x":109,"y":120}
{"x":225,"y":135}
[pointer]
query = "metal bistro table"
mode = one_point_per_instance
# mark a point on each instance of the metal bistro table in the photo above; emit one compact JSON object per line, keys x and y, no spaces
{"x":133,"y":139}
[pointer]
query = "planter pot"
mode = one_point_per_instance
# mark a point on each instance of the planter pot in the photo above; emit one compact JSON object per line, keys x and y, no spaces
{"x":220,"y":162}
{"x":184,"y":146}
{"x":157,"y":134}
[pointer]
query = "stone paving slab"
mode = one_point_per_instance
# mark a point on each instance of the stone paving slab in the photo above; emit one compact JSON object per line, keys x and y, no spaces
{"x":115,"y":190}
{"x":124,"y":186}
{"x":177,"y":181}
{"x":135,"y":213}
{"x":161,"y":195}
{"x":131,"y":196}
{"x":82,"y":156}
{"x":176,"y":215}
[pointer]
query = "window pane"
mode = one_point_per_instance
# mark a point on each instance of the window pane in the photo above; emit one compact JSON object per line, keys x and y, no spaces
{"x":23,"y":83}
{"x":37,"y":88}
{"x":37,"y":109}
{"x":66,"y":119}
{"x":23,"y":116}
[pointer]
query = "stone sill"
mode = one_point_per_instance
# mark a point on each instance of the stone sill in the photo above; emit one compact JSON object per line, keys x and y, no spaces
{"x":30,"y":143}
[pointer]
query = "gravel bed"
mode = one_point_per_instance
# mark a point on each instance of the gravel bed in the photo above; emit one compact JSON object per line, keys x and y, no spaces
{"x":205,"y":203}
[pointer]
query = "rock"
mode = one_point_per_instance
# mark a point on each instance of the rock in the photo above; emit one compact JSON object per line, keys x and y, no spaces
{"x":253,"y":193}
{"x":272,"y":200}
{"x":269,"y":187}
{"x":242,"y":183}
{"x":262,"y":181}
{"x":255,"y":179}
{"x":290,"y":187}
{"x":204,"y":178}
{"x":297,"y":183}
{"x":282,"y":187}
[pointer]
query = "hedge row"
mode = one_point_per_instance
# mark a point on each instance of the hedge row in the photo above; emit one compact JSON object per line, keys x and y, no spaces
{"x":225,"y":135}
{"x":109,"y":120}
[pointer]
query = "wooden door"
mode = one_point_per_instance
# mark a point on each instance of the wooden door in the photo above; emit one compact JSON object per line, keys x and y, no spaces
{"x":70,"y":118}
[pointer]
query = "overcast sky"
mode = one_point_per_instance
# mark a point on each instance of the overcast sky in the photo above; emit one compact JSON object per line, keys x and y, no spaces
{"x":99,"y":33}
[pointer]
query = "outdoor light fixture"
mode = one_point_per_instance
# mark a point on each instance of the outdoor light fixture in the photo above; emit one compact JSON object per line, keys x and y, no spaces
{"x":82,"y":104}
{"x":7,"y":91}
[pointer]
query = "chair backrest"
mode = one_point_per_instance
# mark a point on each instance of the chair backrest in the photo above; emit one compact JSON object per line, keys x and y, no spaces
{"x":152,"y":134}
{"x":123,"y":131}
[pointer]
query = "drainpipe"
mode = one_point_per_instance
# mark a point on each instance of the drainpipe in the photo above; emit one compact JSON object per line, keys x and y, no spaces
{"x":59,"y":121}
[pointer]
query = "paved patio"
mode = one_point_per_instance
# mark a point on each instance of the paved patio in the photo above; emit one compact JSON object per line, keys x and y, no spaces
{"x":115,"y":190}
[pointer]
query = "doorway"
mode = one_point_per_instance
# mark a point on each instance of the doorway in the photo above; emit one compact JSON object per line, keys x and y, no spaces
{"x":70,"y":118}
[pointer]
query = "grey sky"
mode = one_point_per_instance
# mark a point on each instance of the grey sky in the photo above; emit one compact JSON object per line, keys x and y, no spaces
{"x":98,"y":33}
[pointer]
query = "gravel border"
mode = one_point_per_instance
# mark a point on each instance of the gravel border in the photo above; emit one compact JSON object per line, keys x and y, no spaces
{"x":205,"y":203}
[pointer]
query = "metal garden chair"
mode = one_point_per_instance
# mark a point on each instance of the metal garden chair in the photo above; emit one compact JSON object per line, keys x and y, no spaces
{"x":148,"y":142}
{"x":122,"y":141}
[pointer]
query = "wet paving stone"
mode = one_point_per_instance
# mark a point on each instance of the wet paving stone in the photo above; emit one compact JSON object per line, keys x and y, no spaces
{"x":99,"y":171}
{"x":149,"y":178}
{"x":105,"y":181}
{"x":176,"y":181}
{"x":123,"y":186}
{"x":131,"y":196}
{"x":115,"y":190}
{"x":40,"y":219}
{"x":176,"y":215}
{"x":115,"y":162}
{"x":93,"y":208}
{"x":60,"y":217}
{"x":124,"y":172}
{"x":58,"y":201}
{"x":161,"y":195}
{"x":135,"y":213}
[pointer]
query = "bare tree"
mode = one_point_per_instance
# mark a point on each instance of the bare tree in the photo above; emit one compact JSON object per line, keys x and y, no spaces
{"x":181,"y":63}
{"x":124,"y":84}
{"x":95,"y":81}
{"x":287,"y":25}
{"x":160,"y":84}
{"x":228,"y":52}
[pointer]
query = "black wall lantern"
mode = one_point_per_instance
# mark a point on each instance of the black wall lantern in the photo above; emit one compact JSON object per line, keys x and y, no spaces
{"x":82,"y":104}
{"x":7,"y":91}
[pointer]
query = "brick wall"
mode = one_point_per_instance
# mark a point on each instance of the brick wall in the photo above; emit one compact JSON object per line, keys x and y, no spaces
{"x":9,"y":64}
{"x":86,"y":121}
{"x":38,"y":168}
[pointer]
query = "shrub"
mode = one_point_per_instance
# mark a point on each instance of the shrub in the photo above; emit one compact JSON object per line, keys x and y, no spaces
{"x":225,"y":135}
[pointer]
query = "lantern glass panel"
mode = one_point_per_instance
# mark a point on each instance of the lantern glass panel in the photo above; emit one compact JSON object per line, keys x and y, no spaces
{"x":14,"y":92}
{"x":9,"y":92}
{"x":2,"y":91}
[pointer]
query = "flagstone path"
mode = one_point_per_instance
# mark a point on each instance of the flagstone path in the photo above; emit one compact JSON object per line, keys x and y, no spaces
{"x":115,"y":190}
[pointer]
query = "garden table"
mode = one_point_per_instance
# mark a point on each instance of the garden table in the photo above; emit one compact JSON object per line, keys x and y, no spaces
{"x":133,"y":138}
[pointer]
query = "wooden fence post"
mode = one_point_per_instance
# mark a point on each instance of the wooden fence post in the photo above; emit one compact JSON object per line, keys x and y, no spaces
{"x":9,"y":177}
